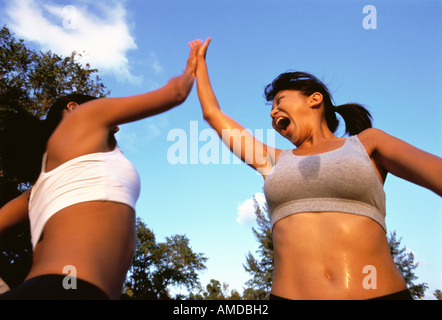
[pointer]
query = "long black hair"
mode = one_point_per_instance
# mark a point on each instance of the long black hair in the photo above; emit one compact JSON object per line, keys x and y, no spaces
{"x":357,"y":118}
{"x":23,"y":138}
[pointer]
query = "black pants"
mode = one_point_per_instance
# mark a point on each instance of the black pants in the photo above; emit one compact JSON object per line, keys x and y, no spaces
{"x":401,"y":295}
{"x":50,"y":287}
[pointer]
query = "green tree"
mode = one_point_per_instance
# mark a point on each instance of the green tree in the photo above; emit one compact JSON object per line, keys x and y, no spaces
{"x":215,"y":291}
{"x":157,"y":267}
{"x":405,"y":262}
{"x":259,"y":286}
{"x":261,"y":270}
{"x":30,"y":81}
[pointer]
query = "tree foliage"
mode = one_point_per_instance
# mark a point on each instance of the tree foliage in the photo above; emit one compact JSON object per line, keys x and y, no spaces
{"x":215,"y":291}
{"x":405,"y":262}
{"x":31,"y":80}
{"x":259,"y":286}
{"x":158,"y":267}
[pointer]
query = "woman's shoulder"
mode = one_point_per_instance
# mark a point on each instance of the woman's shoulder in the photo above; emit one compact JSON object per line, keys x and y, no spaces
{"x":278,"y":153}
{"x":371,"y":137}
{"x":371,"y":133}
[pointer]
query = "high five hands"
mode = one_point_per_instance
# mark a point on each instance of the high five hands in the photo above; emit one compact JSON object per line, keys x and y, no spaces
{"x":198,"y":50}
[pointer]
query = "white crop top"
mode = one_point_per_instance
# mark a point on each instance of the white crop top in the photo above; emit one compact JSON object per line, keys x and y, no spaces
{"x":102,"y":176}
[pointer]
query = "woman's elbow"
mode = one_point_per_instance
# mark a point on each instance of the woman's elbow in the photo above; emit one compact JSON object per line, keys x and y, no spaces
{"x":207,"y":116}
{"x":212,"y":115}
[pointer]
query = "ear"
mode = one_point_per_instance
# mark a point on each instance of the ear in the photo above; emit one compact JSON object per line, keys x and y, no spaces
{"x":315,"y":100}
{"x":71,"y":106}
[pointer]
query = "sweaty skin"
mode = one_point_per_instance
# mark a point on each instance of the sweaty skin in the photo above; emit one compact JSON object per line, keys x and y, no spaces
{"x":323,"y":256}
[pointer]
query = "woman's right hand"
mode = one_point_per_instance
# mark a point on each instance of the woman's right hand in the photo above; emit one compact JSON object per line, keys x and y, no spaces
{"x":202,"y":51}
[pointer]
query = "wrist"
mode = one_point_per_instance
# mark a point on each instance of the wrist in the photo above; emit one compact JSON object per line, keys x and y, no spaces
{"x":189,"y":73}
{"x":200,"y":60}
{"x":182,"y":85}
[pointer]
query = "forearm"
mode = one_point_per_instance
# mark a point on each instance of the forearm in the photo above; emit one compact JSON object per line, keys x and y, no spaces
{"x":182,"y":86}
{"x":426,"y":171}
{"x":209,"y":104}
{"x":174,"y":93}
{"x":14,"y":212}
{"x":240,"y":141}
{"x":225,"y":126}
{"x":116,"y":111}
{"x":235,"y":137}
{"x":408,"y":162}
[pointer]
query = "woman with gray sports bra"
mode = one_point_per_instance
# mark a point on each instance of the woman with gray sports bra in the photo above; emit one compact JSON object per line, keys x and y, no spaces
{"x":325,"y":197}
{"x":82,"y":206}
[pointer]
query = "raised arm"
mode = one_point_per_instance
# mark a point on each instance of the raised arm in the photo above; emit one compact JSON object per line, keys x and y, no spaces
{"x":404,"y":160}
{"x":254,"y":153}
{"x":115,"y":111}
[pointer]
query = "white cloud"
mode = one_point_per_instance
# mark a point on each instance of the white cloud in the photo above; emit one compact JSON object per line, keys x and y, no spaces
{"x":246,"y":209}
{"x":135,"y":136}
{"x":155,"y":64}
{"x":98,"y":28}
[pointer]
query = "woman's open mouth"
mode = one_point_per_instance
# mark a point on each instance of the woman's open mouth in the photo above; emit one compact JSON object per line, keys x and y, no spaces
{"x":281,"y":123}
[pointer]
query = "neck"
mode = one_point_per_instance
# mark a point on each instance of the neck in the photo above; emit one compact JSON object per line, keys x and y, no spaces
{"x":317,"y":135}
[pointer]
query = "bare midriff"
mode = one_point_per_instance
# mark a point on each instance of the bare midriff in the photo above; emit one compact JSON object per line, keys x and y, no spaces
{"x":97,"y":238}
{"x":332,"y":255}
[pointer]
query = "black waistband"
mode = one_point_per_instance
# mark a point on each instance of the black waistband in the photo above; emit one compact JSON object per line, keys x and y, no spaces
{"x":55,"y":287}
{"x":401,"y":295}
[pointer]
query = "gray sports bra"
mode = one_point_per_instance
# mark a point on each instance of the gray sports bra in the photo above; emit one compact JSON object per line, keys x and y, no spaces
{"x":341,"y":180}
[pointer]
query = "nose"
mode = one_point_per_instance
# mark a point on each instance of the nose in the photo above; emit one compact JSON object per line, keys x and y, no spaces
{"x":274,"y":112}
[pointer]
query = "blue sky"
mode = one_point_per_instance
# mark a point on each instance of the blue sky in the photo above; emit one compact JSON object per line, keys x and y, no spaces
{"x":394,"y":69}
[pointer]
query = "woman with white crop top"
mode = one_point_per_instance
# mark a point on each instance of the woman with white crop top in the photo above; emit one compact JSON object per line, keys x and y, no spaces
{"x":325,"y":197}
{"x":81,"y":208}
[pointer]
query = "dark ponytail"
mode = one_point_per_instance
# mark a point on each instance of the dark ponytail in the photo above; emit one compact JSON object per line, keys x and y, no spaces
{"x":356,"y":117}
{"x":23,"y":138}
{"x":22,"y":144}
